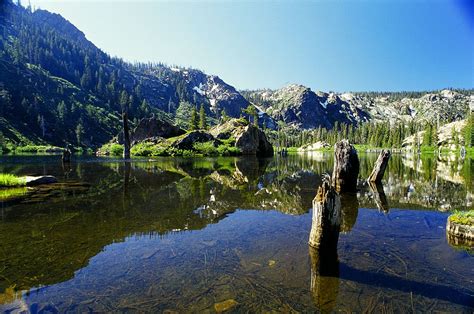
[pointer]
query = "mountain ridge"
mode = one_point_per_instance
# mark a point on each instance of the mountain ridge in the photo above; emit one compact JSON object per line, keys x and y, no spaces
{"x":57,"y":87}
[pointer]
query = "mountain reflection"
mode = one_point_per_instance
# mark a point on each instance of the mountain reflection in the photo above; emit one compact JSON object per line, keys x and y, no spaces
{"x":45,"y":239}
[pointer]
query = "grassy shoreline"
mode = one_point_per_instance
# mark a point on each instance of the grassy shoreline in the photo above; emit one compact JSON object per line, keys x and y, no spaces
{"x":10,"y":180}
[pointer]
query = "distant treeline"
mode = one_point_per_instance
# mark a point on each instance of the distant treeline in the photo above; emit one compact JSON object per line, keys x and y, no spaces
{"x":375,"y":134}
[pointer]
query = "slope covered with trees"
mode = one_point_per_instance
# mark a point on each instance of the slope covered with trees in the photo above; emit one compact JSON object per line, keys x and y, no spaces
{"x":57,"y":87}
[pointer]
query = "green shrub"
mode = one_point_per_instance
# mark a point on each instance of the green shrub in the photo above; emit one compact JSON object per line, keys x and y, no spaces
{"x":206,"y":148}
{"x":38,"y":149}
{"x":463,"y":217}
{"x":188,"y":153}
{"x":142,"y":149}
{"x":225,"y":150}
{"x":116,"y":149}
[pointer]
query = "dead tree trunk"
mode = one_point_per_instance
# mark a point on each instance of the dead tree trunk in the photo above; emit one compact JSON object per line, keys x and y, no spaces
{"x":346,"y":167}
{"x":326,"y":220}
{"x":126,"y":136}
{"x":323,"y":239}
{"x":66,"y":157}
{"x":380,"y":166}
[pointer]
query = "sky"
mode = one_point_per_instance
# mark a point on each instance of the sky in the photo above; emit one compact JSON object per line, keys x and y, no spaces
{"x":374,"y":45}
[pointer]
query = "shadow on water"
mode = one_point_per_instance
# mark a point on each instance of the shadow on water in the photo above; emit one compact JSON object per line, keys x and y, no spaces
{"x":51,"y":234}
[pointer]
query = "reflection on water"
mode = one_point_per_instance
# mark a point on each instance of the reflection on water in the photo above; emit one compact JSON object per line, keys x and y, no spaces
{"x":184,"y":234}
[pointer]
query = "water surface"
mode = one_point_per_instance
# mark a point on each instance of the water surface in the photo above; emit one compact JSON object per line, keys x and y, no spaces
{"x":184,"y":234}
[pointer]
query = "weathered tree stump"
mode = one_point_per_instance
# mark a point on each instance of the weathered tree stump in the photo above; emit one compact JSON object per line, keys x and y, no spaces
{"x":380,"y":166}
{"x":346,"y":167}
{"x":323,"y":239}
{"x":326,"y":219}
{"x":379,"y":196}
{"x":126,"y":136}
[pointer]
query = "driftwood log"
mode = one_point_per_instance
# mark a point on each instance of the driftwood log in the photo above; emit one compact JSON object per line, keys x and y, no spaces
{"x":326,"y":219}
{"x":126,"y":136}
{"x":380,"y":166}
{"x":346,"y":167}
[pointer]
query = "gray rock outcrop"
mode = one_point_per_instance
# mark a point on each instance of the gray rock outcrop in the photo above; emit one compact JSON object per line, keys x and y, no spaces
{"x":187,"y":141}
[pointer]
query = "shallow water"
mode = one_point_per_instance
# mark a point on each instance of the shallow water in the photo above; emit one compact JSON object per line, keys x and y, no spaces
{"x":186,"y":234}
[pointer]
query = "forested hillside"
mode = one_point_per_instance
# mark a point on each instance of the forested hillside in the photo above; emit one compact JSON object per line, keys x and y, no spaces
{"x":57,"y":87}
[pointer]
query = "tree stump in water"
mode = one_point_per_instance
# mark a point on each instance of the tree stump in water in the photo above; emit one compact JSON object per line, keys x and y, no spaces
{"x":66,"y":155}
{"x":323,"y":239}
{"x":326,"y":219}
{"x":380,"y":166}
{"x":346,"y":167}
{"x":126,"y":136}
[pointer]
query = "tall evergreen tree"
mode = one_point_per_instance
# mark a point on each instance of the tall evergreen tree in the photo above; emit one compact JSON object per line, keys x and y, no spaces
{"x":202,"y":118}
{"x":193,"y":123}
{"x":79,"y":133}
{"x":469,"y":130}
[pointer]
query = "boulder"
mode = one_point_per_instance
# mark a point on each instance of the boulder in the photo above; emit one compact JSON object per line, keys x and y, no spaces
{"x":226,"y":130}
{"x":315,"y":146}
{"x":152,"y":128}
{"x":33,"y":180}
{"x":252,"y":141}
{"x":188,"y":140}
{"x":248,"y":138}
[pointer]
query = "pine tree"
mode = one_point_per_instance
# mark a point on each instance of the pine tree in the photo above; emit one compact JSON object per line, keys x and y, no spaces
{"x":434,"y":136}
{"x":79,"y":133}
{"x":202,"y":118}
{"x":469,"y":131}
{"x":124,"y":101}
{"x":193,"y":123}
{"x":428,"y":135}
{"x":224,"y":116}
{"x":251,"y":111}
{"x":62,"y":111}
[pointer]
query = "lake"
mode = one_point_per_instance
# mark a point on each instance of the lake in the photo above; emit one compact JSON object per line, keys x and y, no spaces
{"x":210,"y":234}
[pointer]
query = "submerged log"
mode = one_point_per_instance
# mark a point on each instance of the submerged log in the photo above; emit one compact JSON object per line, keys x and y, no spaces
{"x":346,"y":167}
{"x":126,"y":136}
{"x":379,"y":196}
{"x":380,"y":166}
{"x":326,"y":219}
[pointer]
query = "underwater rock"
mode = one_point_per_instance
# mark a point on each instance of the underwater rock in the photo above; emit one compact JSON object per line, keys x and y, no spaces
{"x":225,"y":305}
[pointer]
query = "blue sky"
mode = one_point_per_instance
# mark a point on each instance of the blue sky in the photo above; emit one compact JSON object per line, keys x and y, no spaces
{"x":338,"y":45}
